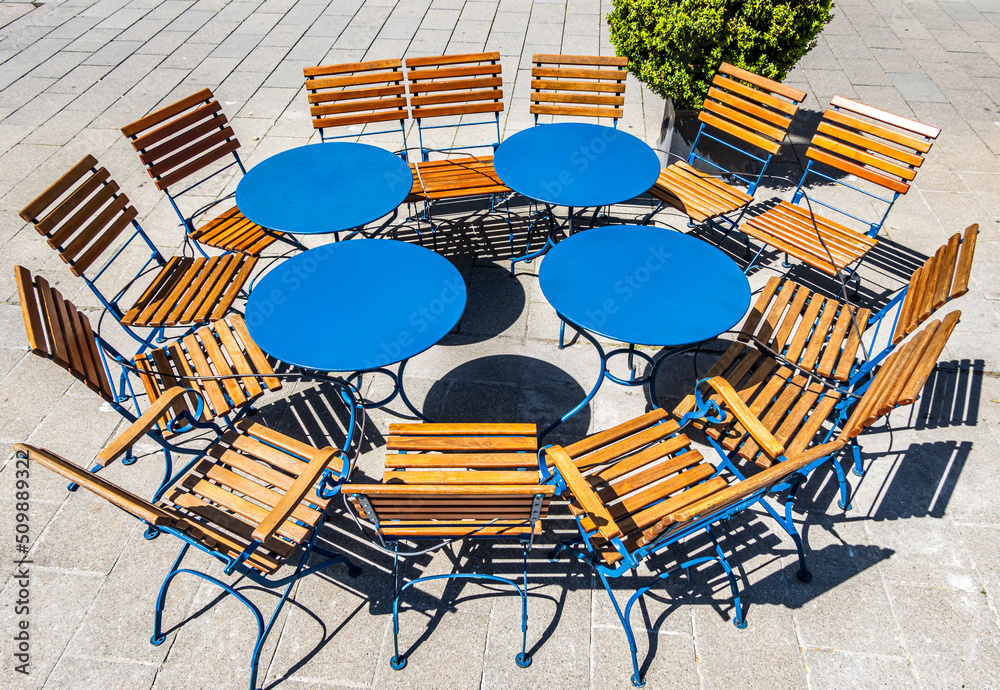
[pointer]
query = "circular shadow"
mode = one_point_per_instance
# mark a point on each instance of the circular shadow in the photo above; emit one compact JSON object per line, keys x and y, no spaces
{"x":494,"y":302}
{"x":509,"y":389}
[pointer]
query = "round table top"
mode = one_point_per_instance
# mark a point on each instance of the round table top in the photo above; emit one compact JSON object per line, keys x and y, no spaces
{"x":644,"y":285}
{"x":355,"y":305}
{"x":576,"y":164}
{"x":322,"y":188}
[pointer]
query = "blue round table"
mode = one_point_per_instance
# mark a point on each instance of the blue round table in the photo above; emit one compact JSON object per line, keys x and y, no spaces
{"x":324,"y":188}
{"x":577,"y":165}
{"x":642,"y":285}
{"x":357,"y":307}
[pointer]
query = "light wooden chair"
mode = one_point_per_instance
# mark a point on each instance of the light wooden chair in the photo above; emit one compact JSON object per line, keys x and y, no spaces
{"x":744,"y":113}
{"x":247,"y":501}
{"x":456,"y":481}
{"x":186,"y":140}
{"x":578,"y":86}
{"x":83,"y":216}
{"x":357,"y":93}
{"x":455,"y":86}
{"x":639,"y":487}
{"x":853,"y":139}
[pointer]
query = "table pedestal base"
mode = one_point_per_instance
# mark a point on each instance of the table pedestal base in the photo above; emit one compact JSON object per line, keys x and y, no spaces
{"x":633,"y":380}
{"x":397,"y":389}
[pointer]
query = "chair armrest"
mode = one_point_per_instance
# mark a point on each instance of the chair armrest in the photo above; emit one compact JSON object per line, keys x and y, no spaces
{"x":758,"y":432}
{"x":144,"y":423}
{"x":300,"y":487}
{"x":129,"y":502}
{"x":584,"y":494}
{"x":769,"y":477}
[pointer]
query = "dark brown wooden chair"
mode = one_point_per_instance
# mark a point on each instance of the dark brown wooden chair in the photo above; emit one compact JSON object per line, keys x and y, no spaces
{"x":247,"y":501}
{"x":357,"y":93}
{"x":183,"y":143}
{"x":455,"y":481}
{"x":857,"y":140}
{"x":746,"y":114}
{"x":578,"y":86}
{"x":84,"y":217}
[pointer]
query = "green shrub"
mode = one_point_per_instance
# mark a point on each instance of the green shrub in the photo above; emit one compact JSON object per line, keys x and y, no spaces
{"x":676,"y":46}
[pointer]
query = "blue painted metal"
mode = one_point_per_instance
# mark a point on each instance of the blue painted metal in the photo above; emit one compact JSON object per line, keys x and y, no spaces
{"x":418,"y":298}
{"x":522,"y":659}
{"x":576,"y":164}
{"x":235,"y":565}
{"x":642,"y":285}
{"x":324,"y":188}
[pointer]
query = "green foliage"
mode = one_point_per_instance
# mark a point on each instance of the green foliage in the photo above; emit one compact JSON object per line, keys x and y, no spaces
{"x":676,"y":46}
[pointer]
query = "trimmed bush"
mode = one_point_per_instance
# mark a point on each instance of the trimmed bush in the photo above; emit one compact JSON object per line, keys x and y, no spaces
{"x":676,"y":46}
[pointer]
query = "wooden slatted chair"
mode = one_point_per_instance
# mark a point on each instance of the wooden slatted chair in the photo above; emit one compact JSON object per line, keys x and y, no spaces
{"x":454,"y":481}
{"x":856,"y":140}
{"x":357,"y":93}
{"x":247,"y":501}
{"x":455,"y":86}
{"x":793,"y":408}
{"x":83,"y":216}
{"x":578,"y":86}
{"x":638,"y":488}
{"x":747,"y":114}
{"x":186,"y":139}
{"x":219,"y":360}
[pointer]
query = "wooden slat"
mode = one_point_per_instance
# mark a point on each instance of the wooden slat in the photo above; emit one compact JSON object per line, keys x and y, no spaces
{"x":762,"y":82}
{"x":595,"y":441}
{"x":469,"y":477}
{"x":33,"y":210}
{"x":483,"y":461}
{"x":462,"y":443}
{"x":961,"y":285}
{"x":739,"y":132}
{"x":885,"y":117}
{"x":495,"y":429}
{"x":452,"y":59}
{"x":603,"y":60}
{"x":370,"y":65}
{"x":169,"y":111}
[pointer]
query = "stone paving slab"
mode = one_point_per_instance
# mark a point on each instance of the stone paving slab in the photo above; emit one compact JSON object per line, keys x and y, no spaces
{"x":905,"y":584}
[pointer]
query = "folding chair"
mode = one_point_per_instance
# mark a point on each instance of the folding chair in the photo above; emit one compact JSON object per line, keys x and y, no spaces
{"x":246,"y":501}
{"x":357,"y":93}
{"x":747,"y":114}
{"x":184,"y":139}
{"x":578,"y":86}
{"x":793,"y":406}
{"x":455,"y":86}
{"x":821,"y":336}
{"x":856,"y":140}
{"x":82,"y":215}
{"x":456,"y":481}
{"x":638,"y":488}
{"x":204,"y":360}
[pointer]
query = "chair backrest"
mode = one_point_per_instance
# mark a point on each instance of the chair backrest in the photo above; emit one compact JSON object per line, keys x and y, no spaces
{"x":57,"y":330}
{"x":455,"y":85}
{"x":82,"y":214}
{"x":872,"y":144}
{"x":942,"y":278}
{"x":479,"y":480}
{"x":902,"y":375}
{"x":356,"y":93}
{"x":220,"y":349}
{"x":578,"y":85}
{"x":182,"y":139}
{"x":749,"y":107}
{"x":818,"y":334}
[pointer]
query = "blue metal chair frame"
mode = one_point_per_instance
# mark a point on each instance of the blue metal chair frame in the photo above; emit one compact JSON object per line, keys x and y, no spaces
{"x":789,"y":477}
{"x":233,"y":565}
{"x":398,"y":662}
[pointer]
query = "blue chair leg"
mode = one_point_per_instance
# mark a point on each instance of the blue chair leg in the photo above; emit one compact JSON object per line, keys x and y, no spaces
{"x":845,"y":501}
{"x":637,"y":679}
{"x":788,"y":525}
{"x":157,"y":639}
{"x":562,"y":333}
{"x":397,"y":663}
{"x":859,"y":469}
{"x":738,"y":620}
{"x":522,"y":659}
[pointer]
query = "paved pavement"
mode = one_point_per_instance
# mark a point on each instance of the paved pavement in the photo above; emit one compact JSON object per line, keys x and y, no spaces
{"x":906,"y":583}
